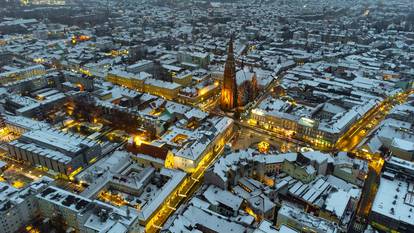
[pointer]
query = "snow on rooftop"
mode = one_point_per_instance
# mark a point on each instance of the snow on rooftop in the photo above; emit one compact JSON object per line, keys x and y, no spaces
{"x":161,"y":84}
{"x":395,"y":200}
{"x":318,"y":156}
{"x":176,"y":177}
{"x":337,"y":203}
{"x":193,"y":216}
{"x":125,"y":74}
{"x":206,"y":135}
{"x":267,"y":227}
{"x":402,"y":144}
{"x":64,"y":198}
{"x":307,"y":220}
{"x":401,"y":163}
{"x":67,"y":142}
{"x":25,"y":123}
{"x":216,"y":195}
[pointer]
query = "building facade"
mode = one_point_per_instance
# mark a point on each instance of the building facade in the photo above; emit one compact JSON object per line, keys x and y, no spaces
{"x":63,"y":153}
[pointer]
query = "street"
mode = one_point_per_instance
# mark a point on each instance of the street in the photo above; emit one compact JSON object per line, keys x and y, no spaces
{"x":183,"y":192}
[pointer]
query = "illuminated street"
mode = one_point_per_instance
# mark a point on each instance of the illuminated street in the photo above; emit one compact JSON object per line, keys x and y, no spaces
{"x":182,"y":192}
{"x":350,"y":140}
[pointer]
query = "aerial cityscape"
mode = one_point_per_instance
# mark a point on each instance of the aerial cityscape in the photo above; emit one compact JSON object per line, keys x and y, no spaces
{"x":199,"y":116}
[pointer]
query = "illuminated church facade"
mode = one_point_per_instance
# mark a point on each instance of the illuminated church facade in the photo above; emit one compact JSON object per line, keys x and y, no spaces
{"x":239,"y":88}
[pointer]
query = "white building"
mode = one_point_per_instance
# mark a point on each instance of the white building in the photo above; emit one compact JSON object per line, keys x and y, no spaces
{"x":208,"y":138}
{"x":20,"y":124}
{"x":49,"y":148}
{"x":19,"y":206}
{"x":393,"y":207}
{"x":85,"y":215}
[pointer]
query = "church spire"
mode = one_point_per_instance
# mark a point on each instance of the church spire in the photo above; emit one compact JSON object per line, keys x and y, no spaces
{"x":229,"y":88}
{"x":230,"y":50}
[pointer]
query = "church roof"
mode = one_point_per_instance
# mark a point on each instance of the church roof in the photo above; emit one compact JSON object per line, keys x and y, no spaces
{"x":244,"y":75}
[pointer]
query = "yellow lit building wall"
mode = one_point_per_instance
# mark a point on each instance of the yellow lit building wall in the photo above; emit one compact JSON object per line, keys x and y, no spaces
{"x":184,"y":80}
{"x":130,"y":83}
{"x":311,"y":135}
{"x":188,"y":165}
{"x":167,"y":93}
{"x":20,"y":75}
{"x":202,"y":96}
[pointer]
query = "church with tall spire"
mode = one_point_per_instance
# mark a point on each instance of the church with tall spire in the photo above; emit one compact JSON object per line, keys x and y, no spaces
{"x":229,"y":88}
{"x":239,"y":86}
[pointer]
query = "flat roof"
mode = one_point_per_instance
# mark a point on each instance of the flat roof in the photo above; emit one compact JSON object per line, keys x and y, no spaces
{"x":395,"y":199}
{"x":67,"y":142}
